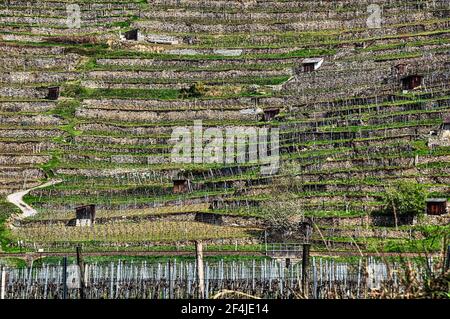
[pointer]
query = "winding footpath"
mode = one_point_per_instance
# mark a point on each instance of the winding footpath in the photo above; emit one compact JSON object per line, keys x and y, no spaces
{"x":17,"y":200}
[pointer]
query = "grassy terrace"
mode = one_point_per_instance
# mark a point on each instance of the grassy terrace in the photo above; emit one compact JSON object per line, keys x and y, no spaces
{"x":136,"y":232}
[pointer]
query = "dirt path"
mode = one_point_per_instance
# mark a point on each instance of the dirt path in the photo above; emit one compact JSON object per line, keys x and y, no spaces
{"x":17,"y":199}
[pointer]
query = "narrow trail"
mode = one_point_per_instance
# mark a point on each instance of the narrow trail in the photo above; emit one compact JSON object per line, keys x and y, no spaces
{"x":17,"y":200}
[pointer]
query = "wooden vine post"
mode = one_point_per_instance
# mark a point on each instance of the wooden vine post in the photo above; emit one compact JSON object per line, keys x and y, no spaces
{"x":447,"y":260}
{"x":170,"y":280}
{"x":64,"y":275}
{"x":200,"y":269}
{"x":3,"y":283}
{"x":80,"y":264}
{"x":305,"y":265}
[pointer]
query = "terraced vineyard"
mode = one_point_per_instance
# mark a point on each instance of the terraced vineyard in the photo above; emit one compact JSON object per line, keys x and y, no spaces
{"x":87,"y":106}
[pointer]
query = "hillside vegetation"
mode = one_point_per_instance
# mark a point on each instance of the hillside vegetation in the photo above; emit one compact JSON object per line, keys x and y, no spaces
{"x":349,"y":130}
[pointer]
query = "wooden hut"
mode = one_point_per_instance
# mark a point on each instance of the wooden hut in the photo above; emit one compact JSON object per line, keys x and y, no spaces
{"x":311,"y":64}
{"x":436,"y":206}
{"x":132,"y":35}
{"x":411,"y":82}
{"x":181,"y":186}
{"x":85,"y":215}
{"x":269,"y":114}
{"x":53,"y":93}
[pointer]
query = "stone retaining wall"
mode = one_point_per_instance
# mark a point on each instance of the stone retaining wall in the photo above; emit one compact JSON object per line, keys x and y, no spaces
{"x":146,"y":116}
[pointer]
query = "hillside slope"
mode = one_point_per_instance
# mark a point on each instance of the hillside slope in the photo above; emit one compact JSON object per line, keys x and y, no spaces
{"x":354,"y":103}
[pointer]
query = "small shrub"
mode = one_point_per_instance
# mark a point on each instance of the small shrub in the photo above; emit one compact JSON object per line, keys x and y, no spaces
{"x":66,"y":108}
{"x":282,"y":219}
{"x":196,"y":90}
{"x":404,"y":199}
{"x":72,"y":90}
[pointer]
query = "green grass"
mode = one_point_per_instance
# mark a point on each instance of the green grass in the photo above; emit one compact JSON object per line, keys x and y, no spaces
{"x":52,"y":164}
{"x":66,"y":109}
{"x":299,"y":53}
{"x":6,"y":210}
{"x":13,"y":262}
{"x":163,"y":94}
